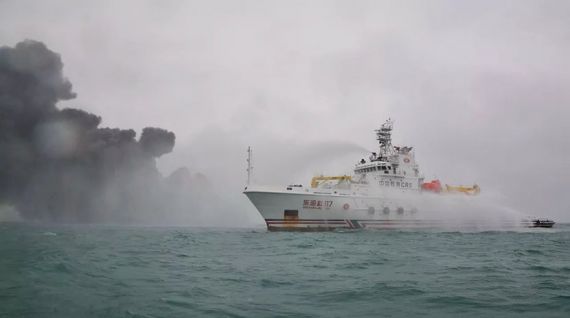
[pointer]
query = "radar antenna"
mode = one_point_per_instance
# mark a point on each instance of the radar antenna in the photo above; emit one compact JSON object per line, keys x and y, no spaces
{"x":384,"y":137}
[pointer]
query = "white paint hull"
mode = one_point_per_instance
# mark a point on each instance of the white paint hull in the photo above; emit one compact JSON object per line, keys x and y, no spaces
{"x":299,"y":210}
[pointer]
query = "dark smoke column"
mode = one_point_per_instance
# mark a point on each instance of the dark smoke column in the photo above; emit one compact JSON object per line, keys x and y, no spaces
{"x":31,"y":82}
{"x":157,"y":141}
{"x":59,"y":165}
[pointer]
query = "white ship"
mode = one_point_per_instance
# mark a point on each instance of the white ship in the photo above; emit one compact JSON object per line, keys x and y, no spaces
{"x":385,"y":191}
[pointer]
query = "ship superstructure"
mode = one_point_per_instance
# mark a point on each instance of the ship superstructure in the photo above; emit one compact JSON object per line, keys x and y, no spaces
{"x":392,"y":167}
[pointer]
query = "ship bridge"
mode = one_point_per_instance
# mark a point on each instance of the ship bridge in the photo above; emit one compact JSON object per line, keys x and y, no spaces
{"x":392,"y":166}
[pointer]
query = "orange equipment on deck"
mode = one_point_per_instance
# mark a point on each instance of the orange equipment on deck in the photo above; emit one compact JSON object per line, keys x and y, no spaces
{"x":435,"y":186}
{"x":432,"y":186}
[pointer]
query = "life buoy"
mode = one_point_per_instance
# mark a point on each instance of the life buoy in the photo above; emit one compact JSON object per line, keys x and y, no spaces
{"x":346,"y":206}
{"x":406,"y":160}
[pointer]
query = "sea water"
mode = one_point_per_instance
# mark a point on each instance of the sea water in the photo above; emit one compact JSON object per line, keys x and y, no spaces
{"x":121,"y":271}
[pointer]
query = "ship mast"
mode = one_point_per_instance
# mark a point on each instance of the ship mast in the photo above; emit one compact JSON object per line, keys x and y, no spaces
{"x":384,"y":137}
{"x":249,"y":164}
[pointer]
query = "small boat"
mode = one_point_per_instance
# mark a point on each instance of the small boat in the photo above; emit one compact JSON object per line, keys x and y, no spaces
{"x":541,"y":223}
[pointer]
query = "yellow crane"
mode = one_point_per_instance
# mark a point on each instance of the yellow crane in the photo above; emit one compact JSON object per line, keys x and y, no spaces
{"x":463,"y":189}
{"x":318,"y":179}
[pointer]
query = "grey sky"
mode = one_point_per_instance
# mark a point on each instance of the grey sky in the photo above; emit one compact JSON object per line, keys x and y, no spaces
{"x":480,"y":88}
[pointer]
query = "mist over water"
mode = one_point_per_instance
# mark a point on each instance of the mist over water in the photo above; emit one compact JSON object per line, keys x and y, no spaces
{"x":276,"y":161}
{"x":447,"y":210}
{"x":477,"y":212}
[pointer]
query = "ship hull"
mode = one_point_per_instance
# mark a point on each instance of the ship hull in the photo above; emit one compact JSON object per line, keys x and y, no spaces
{"x":302,"y":211}
{"x":320,"y":225}
{"x":308,"y":211}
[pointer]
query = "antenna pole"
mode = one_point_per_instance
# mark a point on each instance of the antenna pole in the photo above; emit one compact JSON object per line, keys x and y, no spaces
{"x":249,"y":164}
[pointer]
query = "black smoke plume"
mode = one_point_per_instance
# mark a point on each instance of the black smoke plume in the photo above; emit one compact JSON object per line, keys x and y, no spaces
{"x":59,"y":165}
